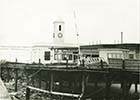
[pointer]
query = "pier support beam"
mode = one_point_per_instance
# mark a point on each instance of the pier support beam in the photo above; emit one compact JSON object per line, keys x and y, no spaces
{"x":40,"y":79}
{"x":123,"y":64}
{"x":108,"y":85}
{"x":51,"y":84}
{"x":27,"y":93}
{"x":95,"y":84}
{"x":1,"y":70}
{"x":136,"y":88}
{"x":83,"y":84}
{"x":101,"y":64}
{"x":46,"y":86}
{"x":125,"y":90}
{"x":16,"y":79}
{"x":8,"y":75}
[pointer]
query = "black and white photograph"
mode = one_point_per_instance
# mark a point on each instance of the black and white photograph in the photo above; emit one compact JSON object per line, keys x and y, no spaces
{"x":69,"y":50}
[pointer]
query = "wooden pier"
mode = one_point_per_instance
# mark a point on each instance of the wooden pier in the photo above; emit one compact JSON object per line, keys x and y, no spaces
{"x":77,"y":82}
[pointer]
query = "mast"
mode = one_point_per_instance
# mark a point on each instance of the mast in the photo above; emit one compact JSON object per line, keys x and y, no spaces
{"x":77,"y":34}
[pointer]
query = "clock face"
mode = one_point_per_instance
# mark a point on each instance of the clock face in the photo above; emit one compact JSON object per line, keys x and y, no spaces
{"x":60,"y":35}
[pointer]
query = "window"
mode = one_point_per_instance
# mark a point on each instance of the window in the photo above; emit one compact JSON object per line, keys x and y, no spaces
{"x":115,"y":55}
{"x":75,"y":58}
{"x":109,"y":55}
{"x":47,"y":55}
{"x":118,"y":56}
{"x":59,"y":27}
{"x":55,"y":57}
{"x":131,"y":56}
{"x":88,"y":55}
{"x":70,"y":57}
{"x":64,"y":56}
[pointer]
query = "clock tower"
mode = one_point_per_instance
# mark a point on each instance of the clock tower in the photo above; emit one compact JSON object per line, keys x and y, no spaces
{"x":58,"y":35}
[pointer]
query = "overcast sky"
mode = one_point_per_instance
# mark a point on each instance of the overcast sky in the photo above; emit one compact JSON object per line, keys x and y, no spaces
{"x":23,"y":22}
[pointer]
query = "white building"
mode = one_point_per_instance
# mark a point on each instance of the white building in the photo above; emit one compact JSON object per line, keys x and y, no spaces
{"x":47,"y":53}
{"x":51,"y":53}
{"x":58,"y":51}
{"x":113,"y":53}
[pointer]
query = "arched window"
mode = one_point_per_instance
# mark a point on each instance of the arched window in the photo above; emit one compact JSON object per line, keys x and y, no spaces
{"x":59,"y":27}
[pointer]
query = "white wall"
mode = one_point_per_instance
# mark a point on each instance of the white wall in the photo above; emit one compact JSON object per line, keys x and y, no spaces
{"x":56,"y":39}
{"x":38,"y":53}
{"x":104,"y":53}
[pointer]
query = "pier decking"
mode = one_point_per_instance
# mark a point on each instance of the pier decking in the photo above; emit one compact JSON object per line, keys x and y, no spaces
{"x":77,"y":82}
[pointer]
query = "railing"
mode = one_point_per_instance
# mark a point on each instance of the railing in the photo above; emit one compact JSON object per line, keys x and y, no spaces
{"x":126,"y":63}
{"x":93,"y":60}
{"x":96,"y":62}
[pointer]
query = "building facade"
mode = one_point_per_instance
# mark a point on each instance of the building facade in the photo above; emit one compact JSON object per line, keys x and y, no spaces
{"x":59,"y":51}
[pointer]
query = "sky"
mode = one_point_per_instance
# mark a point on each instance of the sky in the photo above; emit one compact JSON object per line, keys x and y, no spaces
{"x":26,"y":22}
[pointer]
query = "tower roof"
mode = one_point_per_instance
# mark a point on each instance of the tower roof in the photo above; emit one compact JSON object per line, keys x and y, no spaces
{"x":59,"y":20}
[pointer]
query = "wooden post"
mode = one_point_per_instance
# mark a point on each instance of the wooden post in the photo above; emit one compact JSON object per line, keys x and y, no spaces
{"x":124,"y":90}
{"x":27,"y":76}
{"x":8,"y":74}
{"x":123,"y":64}
{"x":136,"y":88}
{"x":40,"y":79}
{"x":128,"y":87}
{"x":51,"y":82}
{"x":83,"y":85}
{"x":33,"y":82}
{"x":39,"y":74}
{"x":27,"y":93}
{"x":46,"y":86}
{"x":101,"y":64}
{"x":39,"y":61}
{"x":1,"y":71}
{"x":108,"y":84}
{"x":66,"y":61}
{"x":16,"y":77}
{"x":51,"y":85}
{"x":83,"y":62}
{"x":95,"y":84}
{"x":122,"y":77}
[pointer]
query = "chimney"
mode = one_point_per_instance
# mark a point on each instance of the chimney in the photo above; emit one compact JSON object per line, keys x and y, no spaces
{"x":121,"y":37}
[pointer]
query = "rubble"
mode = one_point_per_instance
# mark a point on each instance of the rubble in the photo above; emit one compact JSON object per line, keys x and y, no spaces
{"x":21,"y":93}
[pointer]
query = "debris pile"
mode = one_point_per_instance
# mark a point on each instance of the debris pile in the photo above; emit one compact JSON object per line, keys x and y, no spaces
{"x":21,"y":93}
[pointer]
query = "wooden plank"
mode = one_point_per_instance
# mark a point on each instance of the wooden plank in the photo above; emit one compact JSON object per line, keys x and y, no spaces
{"x":38,"y":89}
{"x":66,"y":94}
{"x":129,"y":63}
{"x":54,"y":93}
